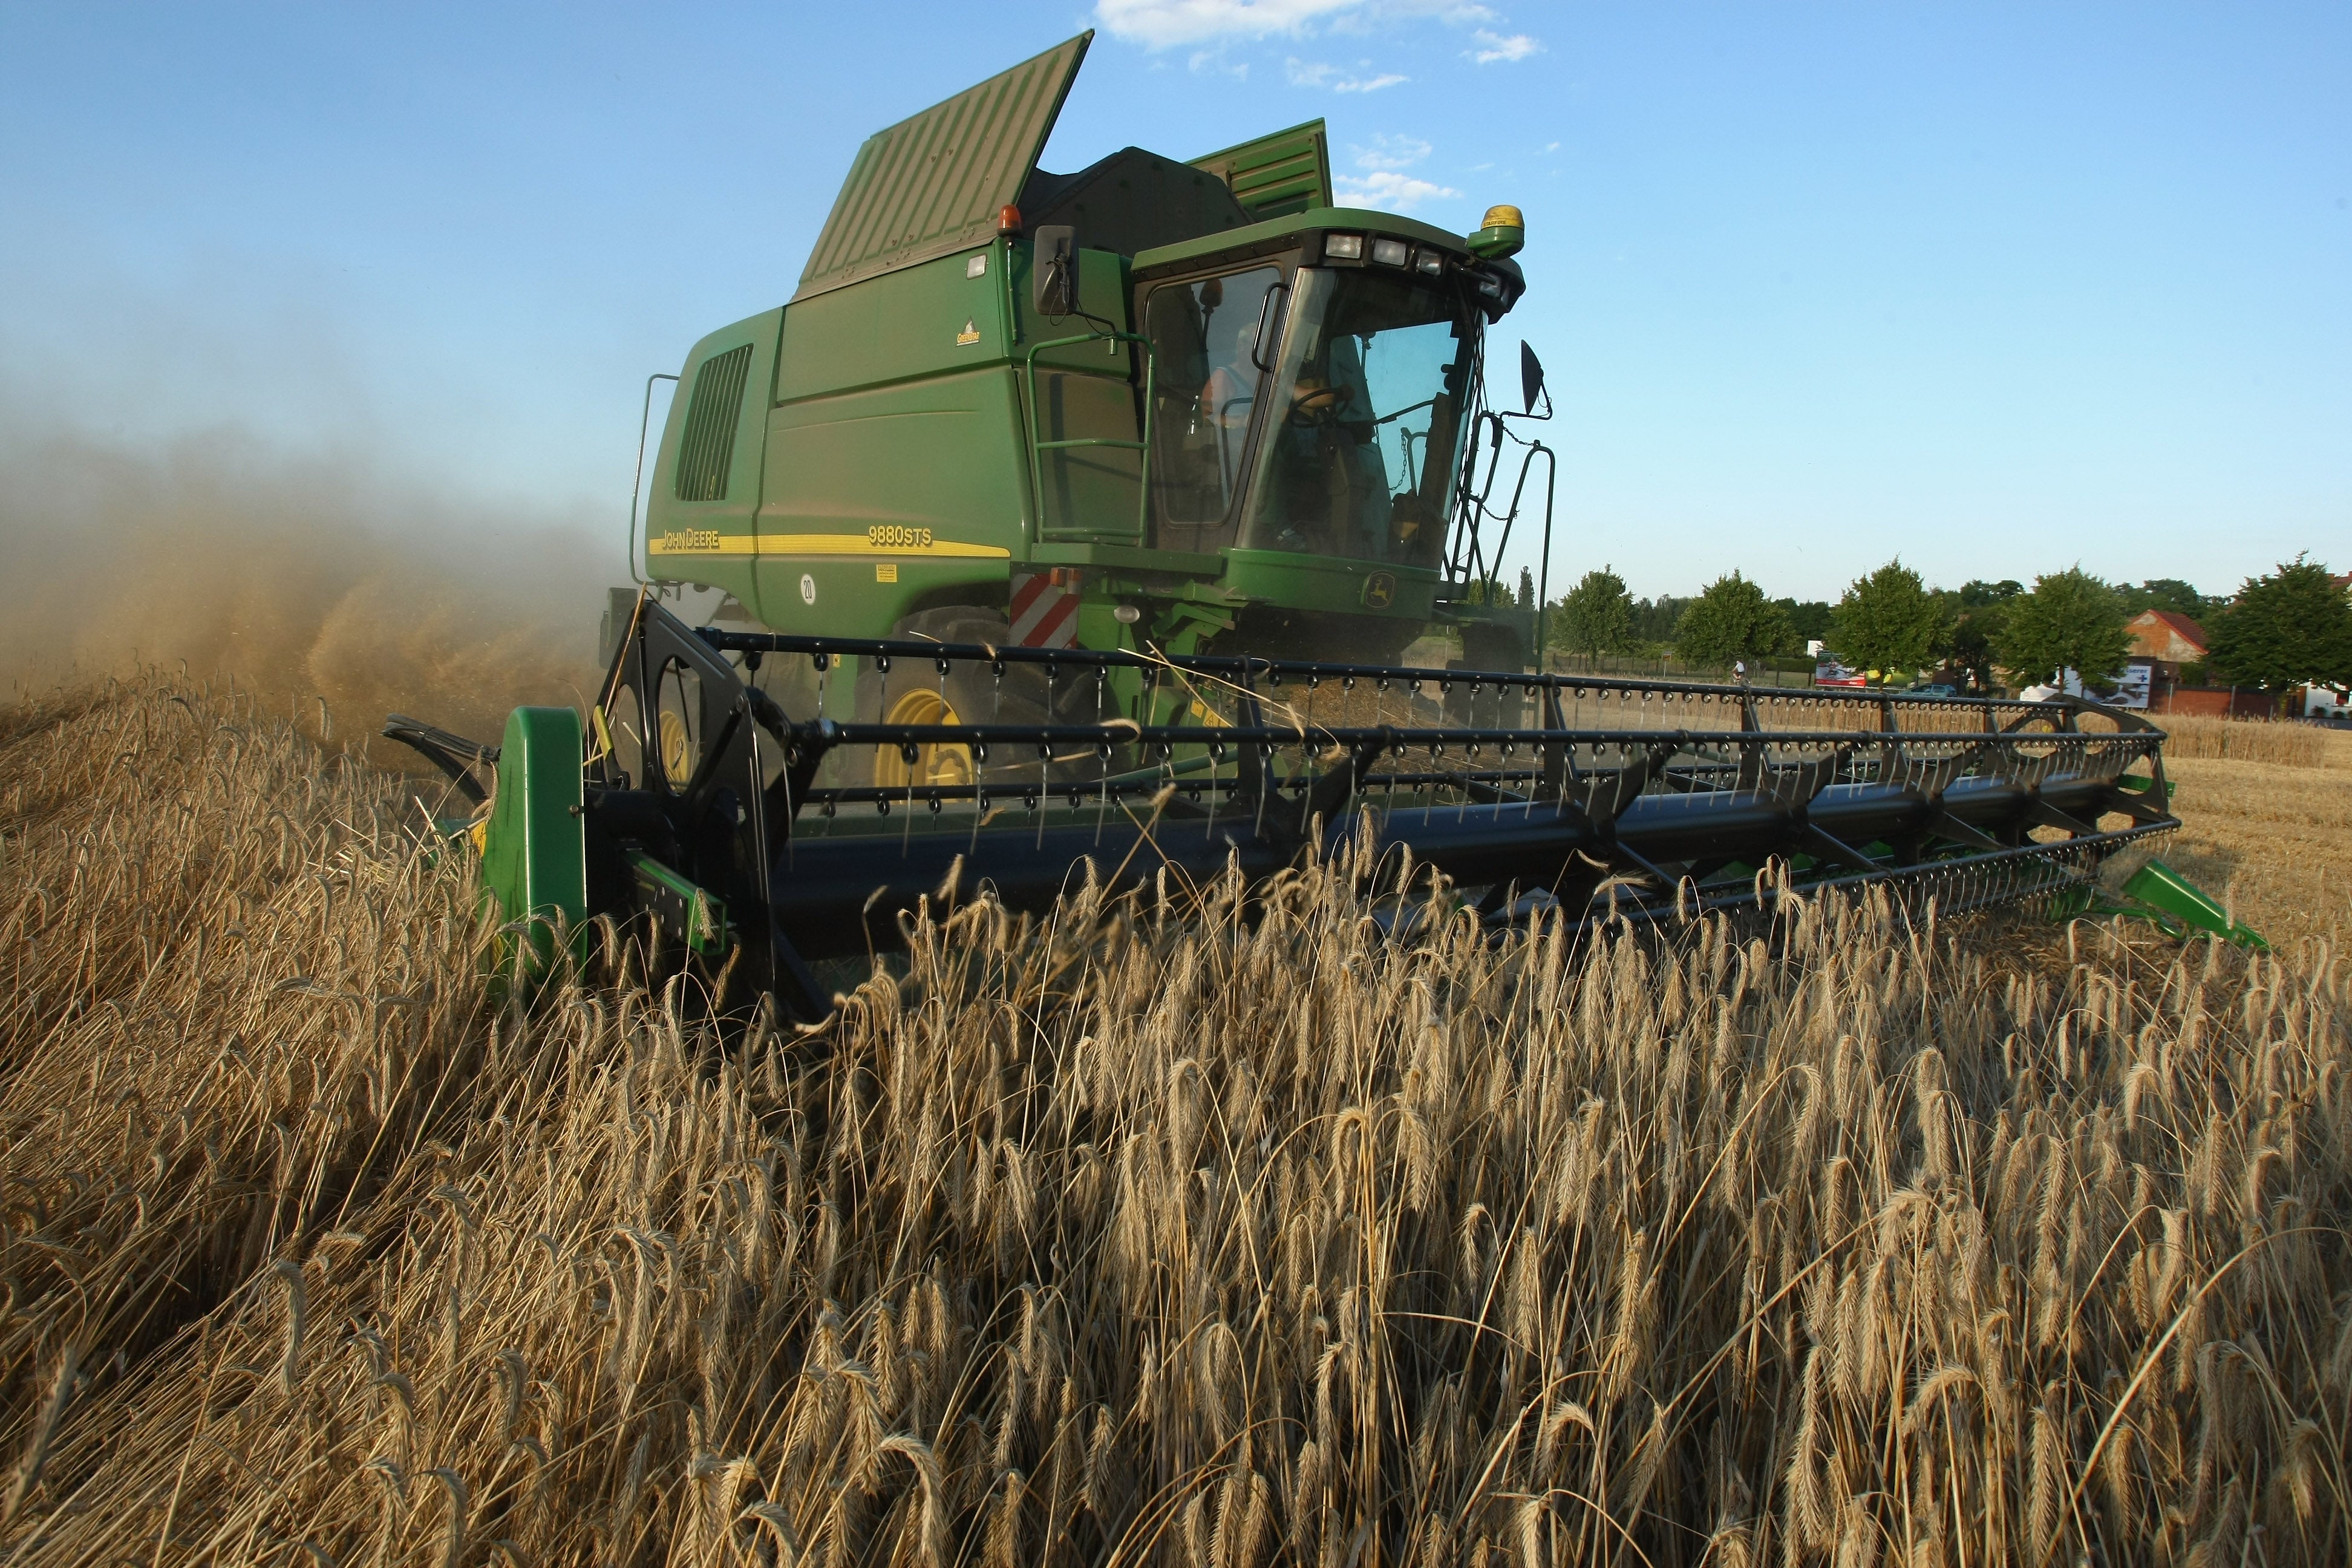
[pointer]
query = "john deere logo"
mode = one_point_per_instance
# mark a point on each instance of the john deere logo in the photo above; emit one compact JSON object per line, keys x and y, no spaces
{"x":1379,"y":591}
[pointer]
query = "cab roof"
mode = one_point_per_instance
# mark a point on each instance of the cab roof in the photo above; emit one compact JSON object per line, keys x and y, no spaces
{"x":1266,"y":234}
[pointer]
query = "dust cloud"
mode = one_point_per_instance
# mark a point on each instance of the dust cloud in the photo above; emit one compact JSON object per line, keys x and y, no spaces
{"x":305,"y":577}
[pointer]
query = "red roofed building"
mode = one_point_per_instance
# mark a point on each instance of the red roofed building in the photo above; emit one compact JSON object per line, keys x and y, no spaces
{"x":2166,"y":636}
{"x":2164,"y":640}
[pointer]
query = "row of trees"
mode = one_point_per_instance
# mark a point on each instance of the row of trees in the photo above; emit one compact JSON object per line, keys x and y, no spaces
{"x":2288,"y":628}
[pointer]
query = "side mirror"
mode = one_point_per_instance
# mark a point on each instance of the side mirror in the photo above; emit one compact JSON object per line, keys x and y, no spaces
{"x":1053,"y":277}
{"x":1531,"y":385}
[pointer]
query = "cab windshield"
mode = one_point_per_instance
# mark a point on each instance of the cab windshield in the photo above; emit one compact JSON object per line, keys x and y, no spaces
{"x":1362,"y":420}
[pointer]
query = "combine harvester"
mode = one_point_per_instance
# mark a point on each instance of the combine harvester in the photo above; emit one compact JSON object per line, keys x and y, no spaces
{"x":1087,"y":519}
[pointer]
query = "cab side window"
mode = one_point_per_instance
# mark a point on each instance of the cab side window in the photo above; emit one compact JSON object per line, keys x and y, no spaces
{"x":1205,"y":358}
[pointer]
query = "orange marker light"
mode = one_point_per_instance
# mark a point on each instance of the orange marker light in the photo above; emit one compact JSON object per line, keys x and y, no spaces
{"x":1008,"y":219}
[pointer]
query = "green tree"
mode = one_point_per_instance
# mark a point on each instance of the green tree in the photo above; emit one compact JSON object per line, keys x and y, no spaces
{"x":2070,"y":621}
{"x":2166,"y":593}
{"x":1730,"y":620}
{"x":1974,"y":632}
{"x":2290,"y":628}
{"x":1495,"y":591}
{"x":1888,"y":622}
{"x":1527,"y":589}
{"x":1979,"y":611}
{"x":1597,"y":616}
{"x":1808,"y":619}
{"x":1654,"y":620}
{"x":1976,"y":594}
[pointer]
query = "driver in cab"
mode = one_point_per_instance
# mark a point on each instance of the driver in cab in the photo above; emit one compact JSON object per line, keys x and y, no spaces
{"x":1329,"y":492}
{"x":1230,"y":394}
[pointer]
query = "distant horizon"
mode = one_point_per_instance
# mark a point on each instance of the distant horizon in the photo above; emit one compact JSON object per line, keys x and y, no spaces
{"x":1999,"y":289}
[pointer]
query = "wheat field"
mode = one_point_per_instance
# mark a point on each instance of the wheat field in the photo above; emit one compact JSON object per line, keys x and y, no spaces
{"x":2246,"y":741}
{"x":1143,"y":1232}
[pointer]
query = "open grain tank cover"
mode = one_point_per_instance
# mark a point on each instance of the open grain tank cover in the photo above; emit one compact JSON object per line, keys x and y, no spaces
{"x":932,"y":185}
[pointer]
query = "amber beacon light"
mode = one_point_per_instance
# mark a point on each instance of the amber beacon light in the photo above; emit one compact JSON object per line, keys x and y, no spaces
{"x":1502,"y":233}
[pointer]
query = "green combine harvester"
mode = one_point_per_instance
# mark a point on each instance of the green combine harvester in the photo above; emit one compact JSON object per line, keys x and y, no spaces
{"x":1070,"y":519}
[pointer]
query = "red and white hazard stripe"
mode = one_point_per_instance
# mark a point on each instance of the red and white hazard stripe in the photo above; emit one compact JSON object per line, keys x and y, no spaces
{"x":1044,"y":615}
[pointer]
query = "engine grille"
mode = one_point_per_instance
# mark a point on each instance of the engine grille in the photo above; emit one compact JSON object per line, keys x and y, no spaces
{"x":707,"y":454}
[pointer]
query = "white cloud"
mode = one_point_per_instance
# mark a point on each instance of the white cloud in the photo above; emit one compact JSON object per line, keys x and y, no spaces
{"x":1318,"y":73}
{"x":1161,"y":22}
{"x":1380,"y":12}
{"x":1388,"y":189}
{"x":1391,"y":152}
{"x":1492,"y":46}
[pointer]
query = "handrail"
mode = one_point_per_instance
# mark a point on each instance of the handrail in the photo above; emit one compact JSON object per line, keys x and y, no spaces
{"x":1037,"y":447}
{"x":1463,"y":558}
{"x":1543,"y":575}
{"x":645,"y":423}
{"x":1467,"y":551}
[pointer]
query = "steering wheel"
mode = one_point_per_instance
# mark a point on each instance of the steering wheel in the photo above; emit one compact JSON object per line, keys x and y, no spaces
{"x":1320,"y":405}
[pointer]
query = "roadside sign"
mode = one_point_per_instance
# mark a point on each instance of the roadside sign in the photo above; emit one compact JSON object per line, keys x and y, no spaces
{"x":1829,"y":672}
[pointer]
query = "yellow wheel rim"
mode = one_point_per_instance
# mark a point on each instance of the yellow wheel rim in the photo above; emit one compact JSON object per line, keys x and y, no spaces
{"x":677,"y":750}
{"x":933,"y":765}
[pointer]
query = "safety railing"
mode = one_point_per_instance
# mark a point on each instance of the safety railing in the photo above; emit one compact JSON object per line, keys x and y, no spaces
{"x":1470,"y":566}
{"x":1039,"y":446}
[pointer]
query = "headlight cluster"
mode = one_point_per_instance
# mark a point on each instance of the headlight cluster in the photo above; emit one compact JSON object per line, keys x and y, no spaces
{"x":1427,"y":260}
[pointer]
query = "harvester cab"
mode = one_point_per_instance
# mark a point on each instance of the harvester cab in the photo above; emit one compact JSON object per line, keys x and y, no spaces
{"x":1152,"y":405}
{"x":1073,"y":531}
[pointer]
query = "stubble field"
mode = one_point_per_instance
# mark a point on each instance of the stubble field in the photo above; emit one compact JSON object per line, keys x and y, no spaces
{"x":1138,"y":1235}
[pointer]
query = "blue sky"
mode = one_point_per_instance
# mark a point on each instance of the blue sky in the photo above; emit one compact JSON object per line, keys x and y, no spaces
{"x":1999,"y":287}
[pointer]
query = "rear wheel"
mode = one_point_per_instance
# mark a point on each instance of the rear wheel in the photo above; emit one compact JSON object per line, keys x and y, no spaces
{"x":933,"y":765}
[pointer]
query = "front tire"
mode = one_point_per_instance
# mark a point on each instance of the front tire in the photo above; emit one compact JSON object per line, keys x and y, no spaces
{"x":913,"y":691}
